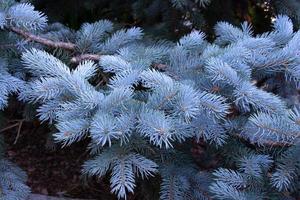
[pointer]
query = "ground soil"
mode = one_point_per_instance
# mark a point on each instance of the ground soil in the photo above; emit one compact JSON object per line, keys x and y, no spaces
{"x":52,"y":170}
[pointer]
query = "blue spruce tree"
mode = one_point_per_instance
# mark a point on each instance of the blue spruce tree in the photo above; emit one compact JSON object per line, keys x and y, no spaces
{"x":237,"y":94}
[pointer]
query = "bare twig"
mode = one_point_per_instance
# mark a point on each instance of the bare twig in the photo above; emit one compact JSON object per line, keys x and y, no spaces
{"x":9,"y":127}
{"x":7,"y":46}
{"x":47,"y":42}
{"x":159,"y":66}
{"x":271,"y":144}
{"x":19,"y":131}
{"x":79,"y":58}
{"x":65,"y":45}
{"x":54,"y":44}
{"x":15,"y":120}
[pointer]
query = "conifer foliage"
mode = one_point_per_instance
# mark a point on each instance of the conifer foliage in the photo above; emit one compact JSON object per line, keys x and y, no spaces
{"x":141,"y":103}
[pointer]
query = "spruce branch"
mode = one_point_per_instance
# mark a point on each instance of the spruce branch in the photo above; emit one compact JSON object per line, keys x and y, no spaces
{"x":271,"y":144}
{"x":64,"y":45}
{"x":80,"y":58}
{"x":54,"y":44}
{"x":47,"y":42}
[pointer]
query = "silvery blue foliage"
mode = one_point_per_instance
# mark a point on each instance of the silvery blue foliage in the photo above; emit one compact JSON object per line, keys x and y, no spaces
{"x":12,"y":182}
{"x":24,"y":16}
{"x":12,"y":178}
{"x":192,"y":96}
{"x":8,"y":83}
{"x":160,"y":96}
{"x":184,"y":182}
{"x":246,"y":183}
{"x":290,"y":8}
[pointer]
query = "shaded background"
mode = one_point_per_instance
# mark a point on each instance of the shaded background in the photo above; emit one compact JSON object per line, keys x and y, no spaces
{"x":164,"y":20}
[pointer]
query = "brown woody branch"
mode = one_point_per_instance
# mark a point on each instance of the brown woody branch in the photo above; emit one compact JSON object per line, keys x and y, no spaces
{"x":54,"y":44}
{"x":271,"y":144}
{"x":79,"y":58}
{"x":63,"y":45}
{"x":47,"y":42}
